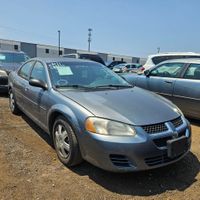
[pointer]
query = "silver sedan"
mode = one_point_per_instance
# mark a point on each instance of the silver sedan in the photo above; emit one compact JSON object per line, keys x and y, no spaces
{"x":93,"y":114}
{"x":177,"y":80}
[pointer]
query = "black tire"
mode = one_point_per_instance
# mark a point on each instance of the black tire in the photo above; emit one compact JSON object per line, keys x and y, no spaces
{"x":12,"y":103}
{"x":68,"y":153}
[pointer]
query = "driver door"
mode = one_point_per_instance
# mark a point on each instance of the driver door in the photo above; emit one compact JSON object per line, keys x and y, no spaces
{"x":162,"y":78}
{"x":37,"y":97}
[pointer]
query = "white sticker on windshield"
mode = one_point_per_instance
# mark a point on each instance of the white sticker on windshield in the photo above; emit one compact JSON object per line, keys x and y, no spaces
{"x":64,"y":70}
{"x":2,"y":57}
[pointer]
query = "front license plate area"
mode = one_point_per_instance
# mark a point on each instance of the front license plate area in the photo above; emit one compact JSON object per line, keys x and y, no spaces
{"x":177,"y":146}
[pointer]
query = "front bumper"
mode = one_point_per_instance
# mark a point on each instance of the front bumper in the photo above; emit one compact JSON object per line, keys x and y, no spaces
{"x":126,"y":154}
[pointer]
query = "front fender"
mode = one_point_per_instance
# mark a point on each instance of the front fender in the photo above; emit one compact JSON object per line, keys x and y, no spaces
{"x":67,"y":113}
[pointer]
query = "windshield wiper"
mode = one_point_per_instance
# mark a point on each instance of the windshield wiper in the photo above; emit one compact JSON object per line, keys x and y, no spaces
{"x":72,"y":86}
{"x":110,"y":86}
{"x":113,"y":86}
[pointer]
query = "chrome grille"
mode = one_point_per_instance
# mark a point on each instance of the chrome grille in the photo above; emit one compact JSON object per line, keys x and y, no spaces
{"x":177,"y":122}
{"x":155,"y":128}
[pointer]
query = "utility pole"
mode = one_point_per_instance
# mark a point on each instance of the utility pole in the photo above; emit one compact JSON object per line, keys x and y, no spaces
{"x":158,"y":50}
{"x":58,"y":42}
{"x":89,"y":37}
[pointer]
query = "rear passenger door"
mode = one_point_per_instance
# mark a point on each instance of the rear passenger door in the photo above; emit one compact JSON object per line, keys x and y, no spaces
{"x":187,"y":91}
{"x":21,"y":83}
{"x":162,"y":78}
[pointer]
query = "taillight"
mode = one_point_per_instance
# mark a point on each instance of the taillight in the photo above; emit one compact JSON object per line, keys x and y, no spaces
{"x":142,"y":68}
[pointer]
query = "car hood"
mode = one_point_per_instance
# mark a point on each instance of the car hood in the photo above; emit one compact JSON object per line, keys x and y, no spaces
{"x":9,"y":66}
{"x":133,"y":106}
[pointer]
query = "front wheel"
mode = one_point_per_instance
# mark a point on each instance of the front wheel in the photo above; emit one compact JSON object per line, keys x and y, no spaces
{"x":65,"y":143}
{"x":12,"y":103}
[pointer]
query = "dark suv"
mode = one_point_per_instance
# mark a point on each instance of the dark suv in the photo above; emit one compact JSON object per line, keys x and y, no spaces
{"x":87,"y":56}
{"x":9,"y":61}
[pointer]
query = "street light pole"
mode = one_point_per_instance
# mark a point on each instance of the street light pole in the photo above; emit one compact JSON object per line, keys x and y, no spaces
{"x":58,"y":42}
{"x":158,"y":50}
{"x":89,"y":38}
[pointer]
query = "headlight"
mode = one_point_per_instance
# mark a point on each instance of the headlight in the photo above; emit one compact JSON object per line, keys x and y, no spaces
{"x":108,"y":127}
{"x":3,"y":73}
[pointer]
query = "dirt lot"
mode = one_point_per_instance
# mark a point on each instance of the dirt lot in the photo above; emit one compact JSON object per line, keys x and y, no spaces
{"x":29,"y":169}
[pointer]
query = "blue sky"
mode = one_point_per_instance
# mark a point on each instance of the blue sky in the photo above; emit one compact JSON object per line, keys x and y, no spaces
{"x":128,"y":27}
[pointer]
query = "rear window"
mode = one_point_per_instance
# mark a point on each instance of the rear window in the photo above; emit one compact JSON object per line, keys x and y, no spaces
{"x":158,"y":59}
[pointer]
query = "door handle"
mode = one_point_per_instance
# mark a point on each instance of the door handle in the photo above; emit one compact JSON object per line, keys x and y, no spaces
{"x":169,"y":82}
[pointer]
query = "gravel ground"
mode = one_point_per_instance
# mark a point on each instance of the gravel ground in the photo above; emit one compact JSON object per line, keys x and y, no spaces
{"x":29,"y":169}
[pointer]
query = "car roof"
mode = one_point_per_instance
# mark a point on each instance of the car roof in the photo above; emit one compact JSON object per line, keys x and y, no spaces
{"x":62,"y":59}
{"x":174,"y":54}
{"x":182,"y":60}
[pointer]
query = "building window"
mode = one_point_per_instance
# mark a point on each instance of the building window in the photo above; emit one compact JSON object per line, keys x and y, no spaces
{"x":16,"y":47}
{"x":46,"y":50}
{"x":60,"y":52}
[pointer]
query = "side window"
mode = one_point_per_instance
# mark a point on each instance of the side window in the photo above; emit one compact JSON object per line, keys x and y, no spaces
{"x":39,"y":72}
{"x":167,"y":70}
{"x":133,"y":66}
{"x":25,"y":70}
{"x":128,"y":66}
{"x":193,"y":72}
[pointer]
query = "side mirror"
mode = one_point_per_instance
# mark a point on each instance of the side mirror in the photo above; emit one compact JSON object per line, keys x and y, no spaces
{"x":38,"y":83}
{"x":147,"y":73}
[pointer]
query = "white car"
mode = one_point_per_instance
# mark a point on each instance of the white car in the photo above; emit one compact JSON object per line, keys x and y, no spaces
{"x":128,"y":67}
{"x":155,"y":59}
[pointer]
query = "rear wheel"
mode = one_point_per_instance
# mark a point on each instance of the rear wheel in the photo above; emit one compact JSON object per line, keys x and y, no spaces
{"x":12,"y":103}
{"x":65,"y":143}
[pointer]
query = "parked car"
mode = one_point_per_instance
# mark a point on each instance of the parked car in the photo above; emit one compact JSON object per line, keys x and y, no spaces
{"x":87,"y":56}
{"x":93,"y":114}
{"x":153,"y":60}
{"x":9,"y":61}
{"x":177,"y":80}
{"x":128,"y":67}
{"x":111,"y":64}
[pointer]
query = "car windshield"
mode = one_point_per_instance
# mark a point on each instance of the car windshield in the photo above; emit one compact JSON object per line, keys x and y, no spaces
{"x":84,"y":75}
{"x":13,"y":57}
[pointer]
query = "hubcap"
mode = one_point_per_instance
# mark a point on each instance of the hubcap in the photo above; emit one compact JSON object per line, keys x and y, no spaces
{"x":62,"y":141}
{"x":12,"y":102}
